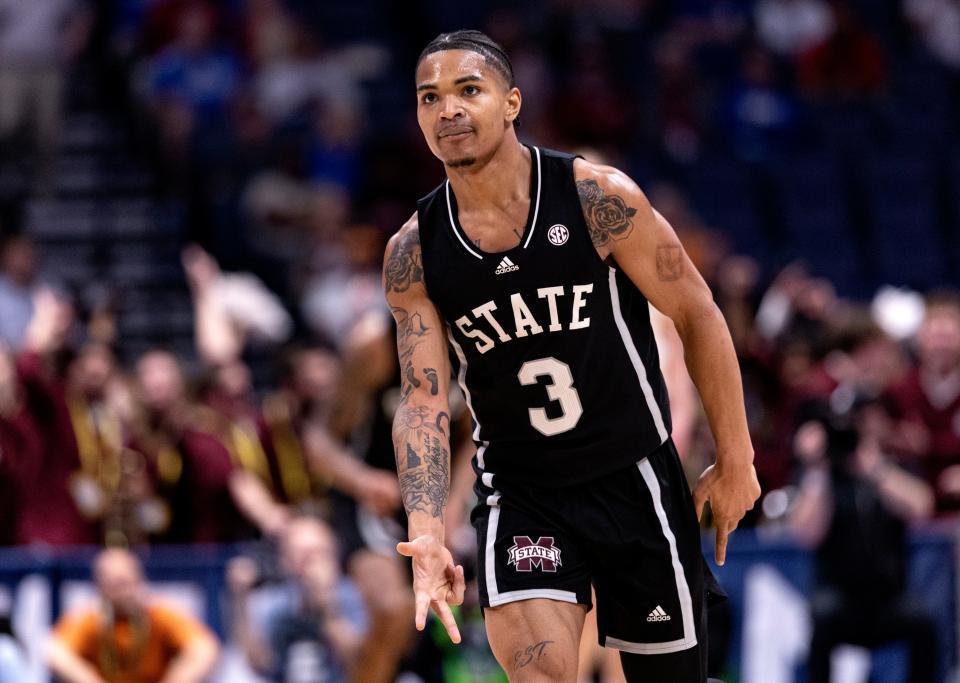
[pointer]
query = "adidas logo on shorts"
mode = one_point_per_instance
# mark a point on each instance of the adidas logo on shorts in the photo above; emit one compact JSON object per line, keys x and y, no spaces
{"x":506,"y":266}
{"x":658,"y":615}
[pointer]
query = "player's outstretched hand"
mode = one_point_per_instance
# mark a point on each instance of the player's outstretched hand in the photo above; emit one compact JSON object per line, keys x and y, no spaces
{"x":437,"y":582}
{"x":731,"y":490}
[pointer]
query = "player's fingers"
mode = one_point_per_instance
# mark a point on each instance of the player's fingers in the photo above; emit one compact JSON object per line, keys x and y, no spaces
{"x":699,"y":500}
{"x":423,"y":607}
{"x":405,"y":548}
{"x":721,"y":549}
{"x":457,"y":586}
{"x":446,"y":618}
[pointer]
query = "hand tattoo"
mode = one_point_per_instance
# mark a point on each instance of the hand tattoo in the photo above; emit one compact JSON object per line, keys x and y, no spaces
{"x":607,"y":215}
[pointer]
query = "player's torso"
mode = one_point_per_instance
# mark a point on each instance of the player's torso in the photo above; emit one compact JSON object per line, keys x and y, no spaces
{"x":553,"y":347}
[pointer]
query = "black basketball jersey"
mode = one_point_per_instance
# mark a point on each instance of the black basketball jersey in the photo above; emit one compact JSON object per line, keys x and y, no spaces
{"x":552,"y":347}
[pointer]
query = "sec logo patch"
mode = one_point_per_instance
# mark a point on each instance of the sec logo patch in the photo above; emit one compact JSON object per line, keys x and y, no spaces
{"x":558,"y":234}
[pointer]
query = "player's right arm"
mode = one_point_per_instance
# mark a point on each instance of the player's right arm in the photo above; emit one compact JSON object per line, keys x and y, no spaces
{"x":421,"y":428}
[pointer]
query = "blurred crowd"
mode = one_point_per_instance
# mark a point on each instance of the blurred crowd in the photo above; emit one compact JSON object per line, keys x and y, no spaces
{"x":286,"y":131}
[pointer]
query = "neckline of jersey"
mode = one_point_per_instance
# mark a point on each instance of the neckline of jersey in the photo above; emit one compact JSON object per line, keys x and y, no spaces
{"x":536,"y":184}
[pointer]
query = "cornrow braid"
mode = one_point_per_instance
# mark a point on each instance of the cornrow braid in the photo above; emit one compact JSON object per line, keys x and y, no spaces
{"x":475,"y":41}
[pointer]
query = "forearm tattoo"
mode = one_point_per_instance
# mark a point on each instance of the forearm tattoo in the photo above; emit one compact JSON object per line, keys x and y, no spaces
{"x":607,"y":215}
{"x":421,"y":436}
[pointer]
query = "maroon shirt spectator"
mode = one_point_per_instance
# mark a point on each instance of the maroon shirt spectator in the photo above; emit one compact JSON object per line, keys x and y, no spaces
{"x":48,"y":513}
{"x":925,"y":405}
{"x":850,"y":64}
{"x":191,"y":454}
{"x":21,"y":450}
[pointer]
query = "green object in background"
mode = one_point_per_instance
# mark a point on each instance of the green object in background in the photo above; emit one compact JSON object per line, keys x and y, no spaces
{"x":472,"y":660}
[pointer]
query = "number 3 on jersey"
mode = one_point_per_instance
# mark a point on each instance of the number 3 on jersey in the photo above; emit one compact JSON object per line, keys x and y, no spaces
{"x":559,"y":389}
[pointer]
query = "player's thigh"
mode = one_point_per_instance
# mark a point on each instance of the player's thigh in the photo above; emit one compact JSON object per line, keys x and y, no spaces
{"x":536,"y":640}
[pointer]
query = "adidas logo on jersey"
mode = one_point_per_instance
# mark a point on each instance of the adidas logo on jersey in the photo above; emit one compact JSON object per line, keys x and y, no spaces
{"x":658,"y":615}
{"x":506,"y":266}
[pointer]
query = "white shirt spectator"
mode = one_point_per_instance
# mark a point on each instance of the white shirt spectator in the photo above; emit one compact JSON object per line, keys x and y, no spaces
{"x":32,"y":31}
{"x":939,"y":24}
{"x":789,"y":27}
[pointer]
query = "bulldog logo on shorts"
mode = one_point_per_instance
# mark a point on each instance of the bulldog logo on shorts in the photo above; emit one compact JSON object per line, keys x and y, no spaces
{"x":525,"y":554}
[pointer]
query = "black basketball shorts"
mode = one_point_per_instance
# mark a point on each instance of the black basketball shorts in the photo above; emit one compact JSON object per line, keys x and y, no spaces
{"x":633,"y":534}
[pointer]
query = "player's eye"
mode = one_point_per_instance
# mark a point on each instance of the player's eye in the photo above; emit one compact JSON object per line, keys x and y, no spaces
{"x":429,"y":98}
{"x":471,"y":90}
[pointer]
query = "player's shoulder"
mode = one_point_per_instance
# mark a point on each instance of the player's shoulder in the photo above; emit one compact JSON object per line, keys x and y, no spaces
{"x":409,"y":230}
{"x":403,"y":262}
{"x":595,"y":180}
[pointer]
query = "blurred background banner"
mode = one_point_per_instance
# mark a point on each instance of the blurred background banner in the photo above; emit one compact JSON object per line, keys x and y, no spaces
{"x":196,"y":359}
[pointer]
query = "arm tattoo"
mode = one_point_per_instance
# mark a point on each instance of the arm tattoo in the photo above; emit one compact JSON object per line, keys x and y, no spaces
{"x":669,"y":262}
{"x":607,"y":215}
{"x":420,"y":435}
{"x":404,"y":265}
{"x":431,"y":375}
{"x":530,"y":654}
{"x":425,"y":472}
{"x":410,"y":332}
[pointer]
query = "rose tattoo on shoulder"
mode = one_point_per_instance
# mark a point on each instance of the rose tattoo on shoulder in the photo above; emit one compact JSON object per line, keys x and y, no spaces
{"x":607,"y":215}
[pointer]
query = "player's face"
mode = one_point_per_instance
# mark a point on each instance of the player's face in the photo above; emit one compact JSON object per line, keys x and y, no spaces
{"x":464,"y":108}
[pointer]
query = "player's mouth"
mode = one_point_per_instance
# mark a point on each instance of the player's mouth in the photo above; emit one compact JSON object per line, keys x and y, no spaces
{"x":455,"y":132}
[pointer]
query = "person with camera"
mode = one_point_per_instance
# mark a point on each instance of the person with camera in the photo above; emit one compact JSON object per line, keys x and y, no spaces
{"x":854,"y":508}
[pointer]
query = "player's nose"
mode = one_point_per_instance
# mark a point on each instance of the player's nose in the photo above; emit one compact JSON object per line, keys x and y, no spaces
{"x":451,"y":108}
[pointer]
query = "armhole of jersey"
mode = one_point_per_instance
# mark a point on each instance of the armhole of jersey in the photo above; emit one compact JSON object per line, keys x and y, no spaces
{"x":421,"y":220}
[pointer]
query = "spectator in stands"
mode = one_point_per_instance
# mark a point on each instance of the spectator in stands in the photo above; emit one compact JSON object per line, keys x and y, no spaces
{"x":854,"y":507}
{"x":37,"y":41}
{"x":74,"y":485}
{"x":849,"y":65}
{"x":925,"y":405}
{"x":337,"y":297}
{"x":789,"y":27}
{"x":283,"y":442}
{"x":206,"y":475}
{"x":18,"y":285}
{"x":192,"y":82}
{"x":763,"y":116}
{"x":314,"y":621}
{"x":128,"y":637}
{"x":21,"y":448}
{"x":938,"y":23}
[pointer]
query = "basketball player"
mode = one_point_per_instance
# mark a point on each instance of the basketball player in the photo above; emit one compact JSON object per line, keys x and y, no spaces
{"x":531,"y":271}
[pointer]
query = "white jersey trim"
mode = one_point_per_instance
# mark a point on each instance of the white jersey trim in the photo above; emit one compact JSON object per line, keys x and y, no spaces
{"x":533,"y":223}
{"x":462,"y":381}
{"x":453,"y":226}
{"x":648,"y":648}
{"x":634,"y":355}
{"x":547,"y":593}
{"x":683,"y":590}
{"x":536,"y":207}
{"x":490,"y":560}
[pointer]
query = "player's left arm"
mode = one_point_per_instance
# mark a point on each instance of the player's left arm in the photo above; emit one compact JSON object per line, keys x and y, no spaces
{"x":625,"y":228}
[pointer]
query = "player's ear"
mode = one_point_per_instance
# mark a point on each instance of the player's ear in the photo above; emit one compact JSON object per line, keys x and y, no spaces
{"x":514,"y":100}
